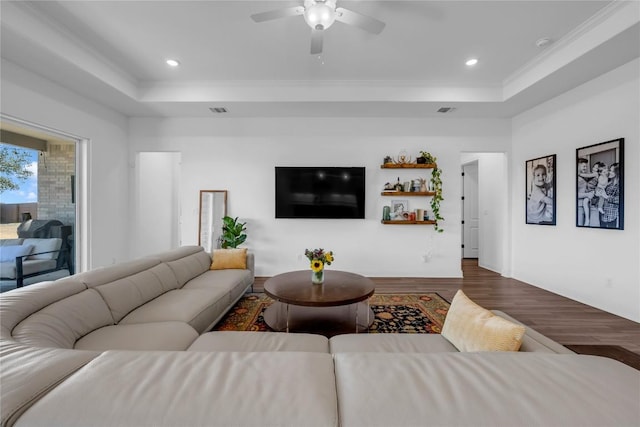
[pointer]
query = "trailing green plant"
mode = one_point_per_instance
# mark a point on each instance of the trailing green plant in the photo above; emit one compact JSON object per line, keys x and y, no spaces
{"x":436,"y":181}
{"x":436,"y":185}
{"x":232,"y":232}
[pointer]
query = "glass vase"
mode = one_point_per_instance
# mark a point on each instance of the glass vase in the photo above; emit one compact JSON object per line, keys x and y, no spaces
{"x":317,"y":277}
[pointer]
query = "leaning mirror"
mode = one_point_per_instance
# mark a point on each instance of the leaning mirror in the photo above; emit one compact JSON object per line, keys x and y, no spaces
{"x":213,"y":207}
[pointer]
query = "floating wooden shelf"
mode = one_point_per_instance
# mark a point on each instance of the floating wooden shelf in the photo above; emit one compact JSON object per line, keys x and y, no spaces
{"x":408,"y":193}
{"x":408,"y":166}
{"x":407,"y":222}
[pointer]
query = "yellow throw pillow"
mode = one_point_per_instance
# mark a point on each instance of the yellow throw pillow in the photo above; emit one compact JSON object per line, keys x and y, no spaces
{"x":470,"y":327}
{"x":229,"y":258}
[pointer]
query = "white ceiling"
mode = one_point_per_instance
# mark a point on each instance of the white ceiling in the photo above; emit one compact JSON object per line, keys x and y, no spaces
{"x":114,"y":52}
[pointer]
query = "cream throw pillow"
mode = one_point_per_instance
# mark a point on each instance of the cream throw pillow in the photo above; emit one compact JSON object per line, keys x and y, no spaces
{"x":470,"y":327}
{"x":229,"y":258}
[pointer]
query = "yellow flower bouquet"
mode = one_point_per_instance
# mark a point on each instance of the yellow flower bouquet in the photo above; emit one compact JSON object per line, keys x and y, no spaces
{"x":318,"y":258}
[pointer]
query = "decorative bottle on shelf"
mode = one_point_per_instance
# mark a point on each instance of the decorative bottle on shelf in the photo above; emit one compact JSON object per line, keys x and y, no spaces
{"x":398,"y":185}
{"x":386,"y":213}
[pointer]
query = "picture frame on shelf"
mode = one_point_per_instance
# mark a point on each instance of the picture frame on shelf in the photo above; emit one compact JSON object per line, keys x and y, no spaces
{"x":398,"y":207}
{"x":600,"y":185}
{"x":540,"y":191}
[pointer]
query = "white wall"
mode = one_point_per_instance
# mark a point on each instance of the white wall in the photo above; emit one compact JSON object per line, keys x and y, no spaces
{"x":595,"y":266}
{"x":29,"y":97}
{"x":239,"y":155}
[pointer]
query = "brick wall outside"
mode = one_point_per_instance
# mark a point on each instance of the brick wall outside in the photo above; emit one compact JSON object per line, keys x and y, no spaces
{"x":55,"y":169}
{"x":10,"y":213}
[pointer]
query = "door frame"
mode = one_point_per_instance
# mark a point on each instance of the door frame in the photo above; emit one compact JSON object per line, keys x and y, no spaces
{"x":82,"y":249}
{"x":464,"y":204}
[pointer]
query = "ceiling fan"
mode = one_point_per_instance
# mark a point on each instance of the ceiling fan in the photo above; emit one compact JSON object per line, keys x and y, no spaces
{"x":320,"y":15}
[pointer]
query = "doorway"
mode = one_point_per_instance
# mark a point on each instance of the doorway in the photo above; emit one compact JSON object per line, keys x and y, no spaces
{"x":54,"y":190}
{"x":470,"y":211}
{"x":157,"y":206}
{"x":486,"y":229}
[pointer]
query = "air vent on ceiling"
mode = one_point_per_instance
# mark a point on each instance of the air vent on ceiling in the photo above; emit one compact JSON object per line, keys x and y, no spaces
{"x":218,"y":109}
{"x":446,"y":110}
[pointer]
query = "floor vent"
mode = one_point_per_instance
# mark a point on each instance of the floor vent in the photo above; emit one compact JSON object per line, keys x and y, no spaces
{"x":218,"y":109}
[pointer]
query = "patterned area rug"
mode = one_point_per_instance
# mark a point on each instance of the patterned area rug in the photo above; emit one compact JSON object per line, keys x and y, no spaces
{"x":405,"y":313}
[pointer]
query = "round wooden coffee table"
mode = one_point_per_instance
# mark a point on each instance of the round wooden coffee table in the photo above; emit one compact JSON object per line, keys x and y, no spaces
{"x":339,"y":305}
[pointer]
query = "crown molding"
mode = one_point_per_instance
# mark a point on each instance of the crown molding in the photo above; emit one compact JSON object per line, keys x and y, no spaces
{"x":611,"y":20}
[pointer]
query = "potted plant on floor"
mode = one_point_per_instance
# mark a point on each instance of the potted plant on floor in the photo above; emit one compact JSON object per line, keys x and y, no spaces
{"x":232,"y":232}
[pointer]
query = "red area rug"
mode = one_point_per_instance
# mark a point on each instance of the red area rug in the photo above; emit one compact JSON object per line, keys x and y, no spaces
{"x":404,"y":313}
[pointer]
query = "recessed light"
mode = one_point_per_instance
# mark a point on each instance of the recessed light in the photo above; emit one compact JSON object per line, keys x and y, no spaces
{"x":172,"y":62}
{"x":471,"y":62}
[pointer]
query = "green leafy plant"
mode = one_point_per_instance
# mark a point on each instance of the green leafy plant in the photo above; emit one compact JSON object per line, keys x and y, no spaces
{"x":436,"y":181}
{"x":14,"y":164}
{"x":428,"y":157}
{"x":232,"y":232}
{"x":436,"y":185}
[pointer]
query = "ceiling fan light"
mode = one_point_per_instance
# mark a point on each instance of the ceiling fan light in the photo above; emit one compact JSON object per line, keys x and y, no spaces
{"x":320,"y":16}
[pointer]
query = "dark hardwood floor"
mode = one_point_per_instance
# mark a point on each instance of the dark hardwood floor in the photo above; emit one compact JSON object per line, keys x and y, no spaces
{"x":561,"y":319}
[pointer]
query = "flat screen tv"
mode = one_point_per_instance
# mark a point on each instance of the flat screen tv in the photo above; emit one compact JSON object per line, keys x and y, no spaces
{"x":320,"y":192}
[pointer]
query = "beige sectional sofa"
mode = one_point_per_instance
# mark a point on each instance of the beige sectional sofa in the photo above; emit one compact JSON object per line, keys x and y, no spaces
{"x":128,"y":345}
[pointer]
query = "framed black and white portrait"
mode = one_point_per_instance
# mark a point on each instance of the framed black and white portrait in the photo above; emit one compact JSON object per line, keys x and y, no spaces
{"x":398,"y":208}
{"x":600,"y":185}
{"x":541,"y":190}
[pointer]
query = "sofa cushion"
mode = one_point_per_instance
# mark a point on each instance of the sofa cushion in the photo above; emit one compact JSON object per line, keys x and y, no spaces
{"x":8,"y":270}
{"x":259,"y":341}
{"x":234,"y":282}
{"x":141,"y":336}
{"x":18,"y":304}
{"x":130,"y":388}
{"x":10,"y":253}
{"x":28,"y":373}
{"x":126,"y":294}
{"x":470,"y":327}
{"x":177,"y":253}
{"x":109,"y":274}
{"x":44,"y":245}
{"x":390,"y":343}
{"x":485,"y":389}
{"x":11,"y":242}
{"x":197,"y":307}
{"x":190,"y":266}
{"x":62,"y":323}
{"x":222,"y":259}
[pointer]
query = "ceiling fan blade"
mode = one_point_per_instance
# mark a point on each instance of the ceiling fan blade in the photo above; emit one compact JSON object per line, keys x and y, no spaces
{"x":316,"y":42}
{"x":278,"y":13}
{"x":367,"y":23}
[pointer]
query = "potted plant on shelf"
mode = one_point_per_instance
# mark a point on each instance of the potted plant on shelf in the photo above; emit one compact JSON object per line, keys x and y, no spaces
{"x":436,"y":187}
{"x":426,"y":157}
{"x":232,"y":232}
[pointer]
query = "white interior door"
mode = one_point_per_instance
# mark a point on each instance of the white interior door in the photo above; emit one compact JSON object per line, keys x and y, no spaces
{"x":157,"y":225}
{"x":470,"y":211}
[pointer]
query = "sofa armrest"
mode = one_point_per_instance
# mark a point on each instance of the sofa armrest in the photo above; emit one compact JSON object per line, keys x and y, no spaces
{"x":20,"y":276}
{"x":534,"y":341}
{"x":251,"y":263}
